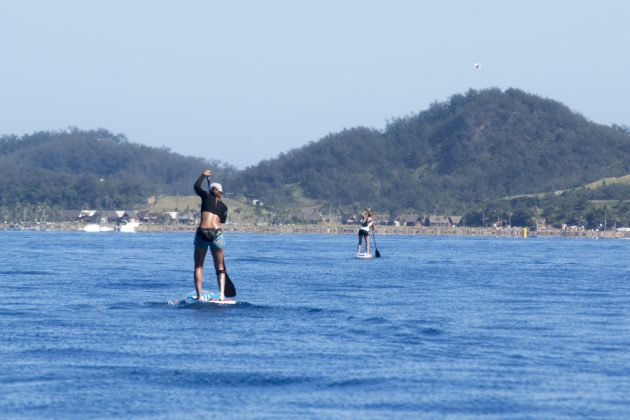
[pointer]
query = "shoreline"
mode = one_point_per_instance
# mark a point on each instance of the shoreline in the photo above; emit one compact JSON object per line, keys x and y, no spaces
{"x":513,"y":232}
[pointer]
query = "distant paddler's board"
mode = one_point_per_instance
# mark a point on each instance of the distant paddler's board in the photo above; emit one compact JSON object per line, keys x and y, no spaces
{"x":209,"y":297}
{"x":364,"y":255}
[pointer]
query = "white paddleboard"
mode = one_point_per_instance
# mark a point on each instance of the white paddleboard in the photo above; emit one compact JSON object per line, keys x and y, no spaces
{"x":209,"y":297}
{"x":364,"y":255}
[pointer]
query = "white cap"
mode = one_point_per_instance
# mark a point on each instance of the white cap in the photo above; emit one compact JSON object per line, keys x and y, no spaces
{"x":218,"y":187}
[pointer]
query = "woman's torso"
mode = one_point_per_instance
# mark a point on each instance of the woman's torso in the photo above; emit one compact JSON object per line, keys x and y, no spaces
{"x":209,"y":220}
{"x":213,"y":212}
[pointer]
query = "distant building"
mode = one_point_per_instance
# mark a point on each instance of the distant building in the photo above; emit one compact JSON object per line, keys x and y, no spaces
{"x":187,"y":217}
{"x":378,"y":219}
{"x":408,"y":220}
{"x":437,"y":221}
{"x":442,"y":221}
{"x":349,"y":219}
{"x":169,"y":216}
{"x":130,"y":216}
{"x":382,"y":220}
{"x":146,"y":216}
{"x":110,"y":216}
{"x":70,"y":215}
{"x":88,"y":216}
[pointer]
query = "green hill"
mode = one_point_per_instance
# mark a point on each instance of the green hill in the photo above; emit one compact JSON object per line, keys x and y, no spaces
{"x":91,"y":169}
{"x":462,"y":156}
{"x":473,"y":148}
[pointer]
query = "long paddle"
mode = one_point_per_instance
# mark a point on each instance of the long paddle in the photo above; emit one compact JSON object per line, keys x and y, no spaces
{"x":230,"y":290}
{"x":376,"y":254}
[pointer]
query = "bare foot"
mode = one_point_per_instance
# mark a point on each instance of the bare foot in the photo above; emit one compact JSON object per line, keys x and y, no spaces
{"x":201,"y":297}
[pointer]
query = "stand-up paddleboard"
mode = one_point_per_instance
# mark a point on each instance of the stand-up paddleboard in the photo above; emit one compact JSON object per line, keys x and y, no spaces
{"x":364,"y":255}
{"x":209,"y":297}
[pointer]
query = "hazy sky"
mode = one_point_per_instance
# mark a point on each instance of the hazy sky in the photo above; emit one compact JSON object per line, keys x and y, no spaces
{"x":243,"y":81}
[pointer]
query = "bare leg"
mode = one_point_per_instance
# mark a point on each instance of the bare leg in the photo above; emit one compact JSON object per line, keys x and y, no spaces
{"x":217,"y":258}
{"x":200,"y":256}
{"x":367,"y":244}
{"x":221,"y":282}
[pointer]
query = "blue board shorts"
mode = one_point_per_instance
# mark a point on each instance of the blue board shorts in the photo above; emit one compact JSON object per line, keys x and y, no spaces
{"x":212,"y":238}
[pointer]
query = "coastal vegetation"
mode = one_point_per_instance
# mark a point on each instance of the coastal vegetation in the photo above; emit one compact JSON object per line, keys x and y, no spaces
{"x":491,"y":156}
{"x":92,"y":169}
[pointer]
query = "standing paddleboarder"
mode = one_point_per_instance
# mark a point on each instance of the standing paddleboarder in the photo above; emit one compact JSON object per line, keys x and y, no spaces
{"x":209,"y":233}
{"x":365,"y":228}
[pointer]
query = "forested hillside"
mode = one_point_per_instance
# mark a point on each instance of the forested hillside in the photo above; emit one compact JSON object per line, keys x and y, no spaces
{"x":473,"y":148}
{"x":91,"y":169}
{"x":484,"y":154}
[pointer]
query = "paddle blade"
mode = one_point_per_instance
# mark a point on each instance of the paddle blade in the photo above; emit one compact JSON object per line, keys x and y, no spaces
{"x":376,"y":253}
{"x":230,"y":290}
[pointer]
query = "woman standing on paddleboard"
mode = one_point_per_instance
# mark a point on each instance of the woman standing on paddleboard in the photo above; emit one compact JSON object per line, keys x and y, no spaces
{"x":209,"y":233}
{"x":365,"y":228}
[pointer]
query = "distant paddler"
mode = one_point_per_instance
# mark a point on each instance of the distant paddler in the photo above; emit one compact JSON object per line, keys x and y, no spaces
{"x":209,"y":233}
{"x":366,"y":227}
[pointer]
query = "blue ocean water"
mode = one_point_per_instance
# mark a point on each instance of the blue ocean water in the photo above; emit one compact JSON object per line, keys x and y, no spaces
{"x":437,"y":327}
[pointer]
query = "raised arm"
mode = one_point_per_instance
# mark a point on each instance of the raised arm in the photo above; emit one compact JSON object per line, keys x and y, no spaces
{"x":200,"y":191}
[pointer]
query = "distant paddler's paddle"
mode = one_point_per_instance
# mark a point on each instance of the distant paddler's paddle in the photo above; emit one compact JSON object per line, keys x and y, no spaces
{"x":376,"y":254}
